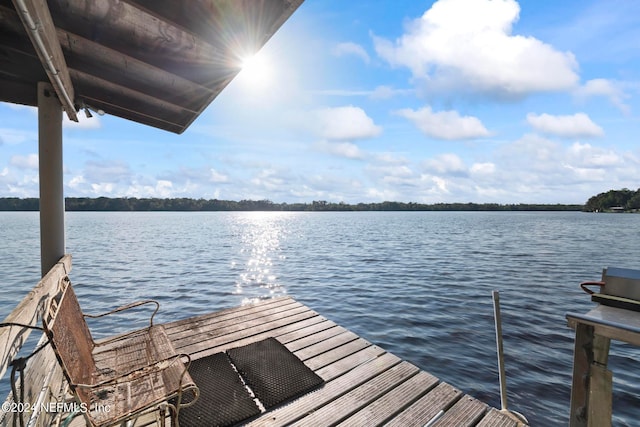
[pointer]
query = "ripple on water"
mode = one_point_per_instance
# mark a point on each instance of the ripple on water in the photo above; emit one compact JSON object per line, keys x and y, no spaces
{"x":416,"y":283}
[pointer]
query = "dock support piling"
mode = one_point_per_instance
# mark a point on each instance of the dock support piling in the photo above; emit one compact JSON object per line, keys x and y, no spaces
{"x":500,"y":350}
{"x":52,"y":245}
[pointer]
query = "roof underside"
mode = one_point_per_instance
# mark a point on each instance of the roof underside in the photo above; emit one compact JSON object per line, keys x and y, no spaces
{"x":156,"y":62}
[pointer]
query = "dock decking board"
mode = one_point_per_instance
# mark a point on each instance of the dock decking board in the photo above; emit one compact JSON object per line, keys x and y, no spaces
{"x":206,"y":342}
{"x":336,"y":354}
{"x":354,"y":360}
{"x":497,"y":419}
{"x":382,"y":409}
{"x":348,"y":404}
{"x":364,"y":384}
{"x":218,"y":329}
{"x":465,"y":413}
{"x":331,"y":391}
{"x":326,"y":345}
{"x":310,"y":340}
{"x":441,"y":398}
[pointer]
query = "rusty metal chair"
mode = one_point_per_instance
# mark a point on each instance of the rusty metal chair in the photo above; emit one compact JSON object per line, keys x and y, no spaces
{"x":120,"y":378}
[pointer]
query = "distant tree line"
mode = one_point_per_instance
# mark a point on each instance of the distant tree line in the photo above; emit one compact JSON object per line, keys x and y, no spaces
{"x":196,"y":205}
{"x":624,"y":200}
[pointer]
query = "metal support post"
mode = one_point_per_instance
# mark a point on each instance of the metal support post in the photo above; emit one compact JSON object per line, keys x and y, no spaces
{"x":52,"y":245}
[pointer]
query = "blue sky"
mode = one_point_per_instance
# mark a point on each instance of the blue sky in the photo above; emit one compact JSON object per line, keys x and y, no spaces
{"x":405,"y":100}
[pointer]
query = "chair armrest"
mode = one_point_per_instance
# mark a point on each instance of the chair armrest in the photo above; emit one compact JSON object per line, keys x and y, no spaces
{"x":127,"y":307}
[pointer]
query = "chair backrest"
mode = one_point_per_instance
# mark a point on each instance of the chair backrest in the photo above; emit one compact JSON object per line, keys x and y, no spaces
{"x":71,"y":339}
{"x":621,"y":282}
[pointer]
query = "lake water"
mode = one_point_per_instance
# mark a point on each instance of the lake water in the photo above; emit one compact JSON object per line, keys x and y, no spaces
{"x":416,"y":283}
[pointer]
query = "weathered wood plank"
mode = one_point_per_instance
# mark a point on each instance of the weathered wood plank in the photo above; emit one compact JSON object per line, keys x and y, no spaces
{"x":149,"y":40}
{"x":228,"y":327}
{"x":320,"y":332}
{"x":382,"y":409}
{"x":427,"y":407}
{"x":329,"y":392}
{"x":99,"y":60}
{"x":248,"y":338}
{"x":244,"y":321}
{"x":337,"y":368}
{"x":359,"y":397}
{"x":465,"y":413}
{"x":600,"y":396}
{"x":326,"y":345}
{"x":205,"y":344}
{"x":45,"y":383}
{"x":495,"y":418}
{"x":336,"y":354}
{"x":227,"y":313}
{"x":29,"y":312}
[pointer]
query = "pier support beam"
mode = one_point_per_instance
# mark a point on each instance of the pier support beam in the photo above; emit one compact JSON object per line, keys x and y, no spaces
{"x":591,"y":391}
{"x":52,"y":245}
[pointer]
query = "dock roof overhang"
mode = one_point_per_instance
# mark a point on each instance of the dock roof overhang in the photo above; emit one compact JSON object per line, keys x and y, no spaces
{"x":156,"y":62}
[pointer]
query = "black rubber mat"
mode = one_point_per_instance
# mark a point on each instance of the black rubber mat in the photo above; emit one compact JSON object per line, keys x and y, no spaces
{"x":223,"y":401}
{"x":274,"y":373}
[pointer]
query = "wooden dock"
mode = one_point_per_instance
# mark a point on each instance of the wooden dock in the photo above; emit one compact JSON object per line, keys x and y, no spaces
{"x":364,"y":384}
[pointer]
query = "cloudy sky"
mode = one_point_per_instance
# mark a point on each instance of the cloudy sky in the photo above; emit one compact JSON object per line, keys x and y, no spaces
{"x":405,"y":100}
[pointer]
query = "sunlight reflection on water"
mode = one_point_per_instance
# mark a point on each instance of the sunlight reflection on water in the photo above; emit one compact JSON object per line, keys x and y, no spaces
{"x":260,"y":234}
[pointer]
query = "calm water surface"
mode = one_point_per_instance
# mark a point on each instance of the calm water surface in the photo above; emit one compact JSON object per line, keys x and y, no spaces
{"x":416,"y":283}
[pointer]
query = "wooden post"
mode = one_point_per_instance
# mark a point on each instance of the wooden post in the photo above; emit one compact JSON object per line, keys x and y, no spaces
{"x":579,"y":387}
{"x":52,"y":246}
{"x":591,"y":391}
{"x":600,"y":385}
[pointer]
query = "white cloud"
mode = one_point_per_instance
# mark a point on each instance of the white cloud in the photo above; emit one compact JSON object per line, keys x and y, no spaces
{"x":569,"y":126}
{"x":441,"y":184}
{"x":350,"y":48}
{"x":16,"y":136}
{"x":107,"y":171}
{"x":340,"y":149}
{"x":448,"y":125}
{"x":76,"y":181}
{"x":164,"y":188}
{"x":605,"y":88}
{"x":391,"y":159}
{"x":534,"y":168}
{"x":102,"y":188}
{"x":25,"y":162}
{"x":529,"y":152}
{"x":218,"y":177}
{"x":346,"y":123}
{"x":486,"y":168}
{"x":588,"y":156}
{"x":268,"y":179}
{"x":469,"y":43}
{"x":449,"y":164}
{"x":392,"y":174}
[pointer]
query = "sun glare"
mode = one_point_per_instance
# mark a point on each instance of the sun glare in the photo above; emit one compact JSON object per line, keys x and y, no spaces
{"x":256,"y":70}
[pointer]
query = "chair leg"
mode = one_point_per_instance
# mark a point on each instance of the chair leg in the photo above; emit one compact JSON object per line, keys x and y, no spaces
{"x":162,"y":416}
{"x":173,"y":415}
